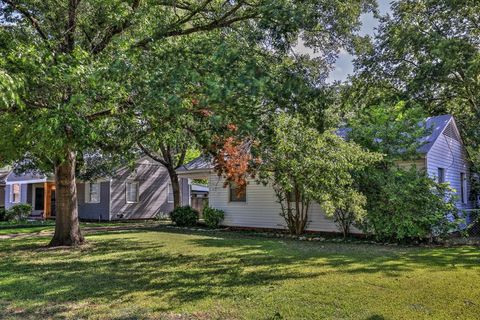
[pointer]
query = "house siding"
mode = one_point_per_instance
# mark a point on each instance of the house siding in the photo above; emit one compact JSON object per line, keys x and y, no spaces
{"x":261,"y":210}
{"x":450,"y":154}
{"x":153,"y":182}
{"x":94,"y":211}
{"x":23,"y":195}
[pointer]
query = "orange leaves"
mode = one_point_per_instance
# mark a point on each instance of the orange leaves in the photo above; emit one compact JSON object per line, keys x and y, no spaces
{"x":233,"y":160}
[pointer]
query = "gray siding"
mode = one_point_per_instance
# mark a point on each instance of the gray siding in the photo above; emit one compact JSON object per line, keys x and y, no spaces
{"x":450,"y":154}
{"x":94,"y":211}
{"x":153,"y":182}
{"x":23,"y":195}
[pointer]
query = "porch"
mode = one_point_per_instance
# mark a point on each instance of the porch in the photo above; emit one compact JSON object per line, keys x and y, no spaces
{"x":42,"y":200}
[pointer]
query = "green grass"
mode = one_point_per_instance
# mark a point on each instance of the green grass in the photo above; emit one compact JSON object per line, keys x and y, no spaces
{"x":26,"y":227}
{"x":166,"y":274}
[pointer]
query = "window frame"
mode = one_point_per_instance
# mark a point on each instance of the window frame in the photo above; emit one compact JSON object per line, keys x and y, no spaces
{"x":12,"y":200}
{"x":230,"y":193}
{"x":463,"y":188}
{"x":132,"y":182}
{"x":88,"y":192}
{"x":442,"y":175}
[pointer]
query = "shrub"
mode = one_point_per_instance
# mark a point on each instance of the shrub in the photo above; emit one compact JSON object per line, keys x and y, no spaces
{"x":213,"y":217}
{"x":408,"y":205}
{"x":19,"y":212}
{"x":3,"y":214}
{"x":184,"y":216}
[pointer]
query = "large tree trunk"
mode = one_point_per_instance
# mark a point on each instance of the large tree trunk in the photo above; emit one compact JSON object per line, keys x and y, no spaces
{"x":175,"y":187}
{"x":67,"y":228}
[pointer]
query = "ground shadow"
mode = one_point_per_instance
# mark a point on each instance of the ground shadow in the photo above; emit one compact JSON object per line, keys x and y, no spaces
{"x":114,"y":268}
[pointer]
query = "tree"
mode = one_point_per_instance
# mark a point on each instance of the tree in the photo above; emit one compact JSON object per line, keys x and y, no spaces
{"x":402,"y":204}
{"x":304,"y":165}
{"x":172,"y":156}
{"x":75,"y":70}
{"x":428,"y":53}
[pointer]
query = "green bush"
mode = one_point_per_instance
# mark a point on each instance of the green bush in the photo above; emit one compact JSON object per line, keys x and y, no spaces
{"x":213,"y":217}
{"x":407,"y":205}
{"x":19,"y":212}
{"x":184,"y":216}
{"x":3,"y":214}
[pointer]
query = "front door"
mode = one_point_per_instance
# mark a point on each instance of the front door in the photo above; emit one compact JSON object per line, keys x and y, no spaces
{"x":39,"y":200}
{"x":52,"y":204}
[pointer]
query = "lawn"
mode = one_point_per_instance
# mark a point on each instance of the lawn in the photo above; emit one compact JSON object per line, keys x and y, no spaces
{"x":162,"y":273}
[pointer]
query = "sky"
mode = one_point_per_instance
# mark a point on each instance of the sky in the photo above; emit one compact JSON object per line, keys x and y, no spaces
{"x":344,"y":66}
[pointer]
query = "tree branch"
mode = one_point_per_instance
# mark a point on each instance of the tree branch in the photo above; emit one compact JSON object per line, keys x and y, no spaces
{"x":221,"y":22}
{"x":182,"y":157}
{"x":115,"y":30}
{"x":152,"y":155}
{"x":33,"y":20}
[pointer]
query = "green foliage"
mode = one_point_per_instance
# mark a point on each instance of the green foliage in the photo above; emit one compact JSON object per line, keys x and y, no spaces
{"x":184,"y":216}
{"x":18,"y":212}
{"x":304,"y":166}
{"x":407,"y":205}
{"x":213,"y":217}
{"x":428,"y":52}
{"x":3,"y":214}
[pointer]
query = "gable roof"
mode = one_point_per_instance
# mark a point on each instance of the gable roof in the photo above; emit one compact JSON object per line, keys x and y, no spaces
{"x":202,"y":163}
{"x":435,"y":125}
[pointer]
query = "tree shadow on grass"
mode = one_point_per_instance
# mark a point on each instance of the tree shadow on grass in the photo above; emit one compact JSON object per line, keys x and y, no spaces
{"x":221,"y":267}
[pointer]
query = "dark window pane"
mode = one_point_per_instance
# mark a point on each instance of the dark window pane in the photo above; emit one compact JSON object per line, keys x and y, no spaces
{"x":238,"y":193}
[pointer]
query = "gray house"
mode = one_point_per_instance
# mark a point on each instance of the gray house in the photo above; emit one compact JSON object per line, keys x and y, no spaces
{"x":442,"y":155}
{"x":3,"y":175}
{"x":141,"y":193}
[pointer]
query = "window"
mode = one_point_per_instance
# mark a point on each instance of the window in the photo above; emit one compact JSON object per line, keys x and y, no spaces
{"x":463,"y":187}
{"x":15,"y":195}
{"x":92,"y":192}
{"x":441,"y":175}
{"x":131,"y":191}
{"x":238,"y":193}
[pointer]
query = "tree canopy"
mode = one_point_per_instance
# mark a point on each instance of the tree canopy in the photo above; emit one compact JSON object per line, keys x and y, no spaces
{"x":89,"y":77}
{"x":427,"y":53}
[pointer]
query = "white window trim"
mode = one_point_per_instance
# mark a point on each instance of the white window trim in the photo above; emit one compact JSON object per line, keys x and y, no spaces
{"x":19,"y":193}
{"x":88,"y":198}
{"x":138,"y":191}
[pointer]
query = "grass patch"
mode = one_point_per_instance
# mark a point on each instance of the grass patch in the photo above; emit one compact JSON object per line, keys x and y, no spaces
{"x":168,"y":274}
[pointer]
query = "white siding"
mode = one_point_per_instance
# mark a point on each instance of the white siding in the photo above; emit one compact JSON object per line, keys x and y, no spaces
{"x":261,"y":210}
{"x":450,"y":154}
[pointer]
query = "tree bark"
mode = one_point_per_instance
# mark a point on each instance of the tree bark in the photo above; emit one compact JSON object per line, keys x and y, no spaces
{"x":67,"y":228}
{"x":175,"y":187}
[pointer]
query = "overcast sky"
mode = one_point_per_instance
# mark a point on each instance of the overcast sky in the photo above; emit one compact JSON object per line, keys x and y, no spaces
{"x":344,"y":65}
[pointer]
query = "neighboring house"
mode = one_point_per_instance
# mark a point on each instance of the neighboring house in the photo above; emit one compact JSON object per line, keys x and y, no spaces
{"x":3,"y":175}
{"x":442,"y":155}
{"x":141,"y":193}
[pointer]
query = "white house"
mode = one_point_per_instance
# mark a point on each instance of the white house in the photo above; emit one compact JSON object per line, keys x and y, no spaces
{"x":442,"y":154}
